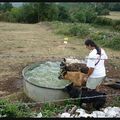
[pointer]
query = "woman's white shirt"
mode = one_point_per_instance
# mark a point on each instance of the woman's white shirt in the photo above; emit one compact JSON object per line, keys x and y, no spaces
{"x":99,"y":69}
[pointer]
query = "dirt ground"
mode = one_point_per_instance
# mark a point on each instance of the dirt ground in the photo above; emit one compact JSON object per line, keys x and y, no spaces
{"x":23,"y":44}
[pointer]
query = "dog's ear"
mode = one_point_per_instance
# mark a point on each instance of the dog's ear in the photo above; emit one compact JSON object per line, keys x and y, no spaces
{"x":64,"y":59}
{"x":84,"y":70}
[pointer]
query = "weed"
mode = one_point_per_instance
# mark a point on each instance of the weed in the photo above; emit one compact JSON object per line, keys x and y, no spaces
{"x":8,"y":109}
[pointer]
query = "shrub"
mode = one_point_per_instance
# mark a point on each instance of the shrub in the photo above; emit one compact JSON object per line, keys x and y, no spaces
{"x":85,"y":15}
{"x":103,"y":21}
{"x":8,"y":109}
{"x":109,"y":40}
{"x":80,"y":30}
{"x":105,"y":12}
{"x":80,"y":17}
{"x":114,"y":43}
{"x":116,"y":25}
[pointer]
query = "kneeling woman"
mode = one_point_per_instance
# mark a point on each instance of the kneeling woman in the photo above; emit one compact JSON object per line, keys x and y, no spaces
{"x":96,"y":64}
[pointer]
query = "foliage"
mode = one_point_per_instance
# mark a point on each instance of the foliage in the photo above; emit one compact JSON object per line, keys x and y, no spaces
{"x":68,"y":12}
{"x":114,"y":6}
{"x":116,"y":25}
{"x":109,"y":40}
{"x":15,"y":15}
{"x":6,"y":7}
{"x":102,"y":9}
{"x":63,"y":14}
{"x":103,"y":21}
{"x":79,"y":17}
{"x":71,"y":29}
{"x":105,"y":12}
{"x":8,"y":109}
{"x":84,"y":15}
{"x":81,"y":30}
{"x":51,"y":109}
{"x":116,"y":101}
{"x":114,"y":43}
{"x":78,"y":30}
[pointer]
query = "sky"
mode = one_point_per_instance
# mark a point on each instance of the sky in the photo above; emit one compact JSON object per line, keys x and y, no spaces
{"x":17,"y":4}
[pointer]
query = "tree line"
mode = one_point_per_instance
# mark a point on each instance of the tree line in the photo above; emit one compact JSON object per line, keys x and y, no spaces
{"x":67,"y":12}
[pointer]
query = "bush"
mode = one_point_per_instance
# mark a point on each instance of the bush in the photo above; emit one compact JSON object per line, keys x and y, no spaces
{"x":85,"y":15}
{"x":109,"y":40}
{"x":105,"y":12}
{"x":71,"y":29}
{"x":103,"y":21}
{"x":80,"y":30}
{"x":114,"y":43}
{"x":109,"y":22}
{"x":116,"y":25}
{"x":80,"y":17}
{"x":8,"y":109}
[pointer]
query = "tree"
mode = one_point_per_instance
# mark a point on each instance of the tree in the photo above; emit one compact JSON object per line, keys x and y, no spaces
{"x":63,"y":14}
{"x":28,"y":13}
{"x":114,"y":6}
{"x":6,"y":7}
{"x":15,"y":15}
{"x":53,"y":12}
{"x":102,"y":8}
{"x":85,"y":15}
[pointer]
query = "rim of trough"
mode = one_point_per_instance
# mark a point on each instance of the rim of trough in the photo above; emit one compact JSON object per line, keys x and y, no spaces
{"x":32,"y":66}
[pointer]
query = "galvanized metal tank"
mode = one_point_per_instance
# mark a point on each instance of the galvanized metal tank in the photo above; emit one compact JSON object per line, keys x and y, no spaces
{"x":38,"y":92}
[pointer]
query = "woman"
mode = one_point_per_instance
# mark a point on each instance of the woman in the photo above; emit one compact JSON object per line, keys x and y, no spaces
{"x":96,"y":64}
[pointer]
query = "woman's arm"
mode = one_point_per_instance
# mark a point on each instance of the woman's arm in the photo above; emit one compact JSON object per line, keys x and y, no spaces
{"x":90,"y":71}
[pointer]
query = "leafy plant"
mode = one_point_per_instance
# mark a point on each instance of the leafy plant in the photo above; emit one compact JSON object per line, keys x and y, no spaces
{"x":103,"y":21}
{"x":80,"y":30}
{"x":8,"y":109}
{"x":51,"y":109}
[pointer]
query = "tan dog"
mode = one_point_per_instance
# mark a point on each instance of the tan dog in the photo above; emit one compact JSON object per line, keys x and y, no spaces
{"x":74,"y":72}
{"x":77,"y":78}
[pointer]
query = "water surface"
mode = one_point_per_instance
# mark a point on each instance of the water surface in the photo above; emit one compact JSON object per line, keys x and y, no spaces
{"x":46,"y":75}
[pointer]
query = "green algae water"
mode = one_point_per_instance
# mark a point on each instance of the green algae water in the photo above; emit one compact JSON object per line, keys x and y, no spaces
{"x":46,"y":75}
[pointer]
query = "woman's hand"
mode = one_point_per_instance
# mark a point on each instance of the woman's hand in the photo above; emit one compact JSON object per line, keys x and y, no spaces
{"x":85,"y":78}
{"x":90,"y":71}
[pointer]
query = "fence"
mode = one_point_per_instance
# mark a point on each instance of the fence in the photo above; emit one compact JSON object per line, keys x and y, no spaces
{"x":59,"y":58}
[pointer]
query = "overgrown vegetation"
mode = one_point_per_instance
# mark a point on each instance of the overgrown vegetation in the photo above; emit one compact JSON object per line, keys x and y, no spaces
{"x":8,"y":109}
{"x":67,"y":12}
{"x":53,"y":109}
{"x":47,"y":110}
{"x":109,"y":39}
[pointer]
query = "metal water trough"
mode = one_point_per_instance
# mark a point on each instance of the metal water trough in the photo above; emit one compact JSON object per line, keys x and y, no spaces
{"x":41,"y":93}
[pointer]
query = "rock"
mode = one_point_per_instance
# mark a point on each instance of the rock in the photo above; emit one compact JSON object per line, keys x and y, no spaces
{"x":65,"y":115}
{"x":39,"y":115}
{"x":98,"y":114}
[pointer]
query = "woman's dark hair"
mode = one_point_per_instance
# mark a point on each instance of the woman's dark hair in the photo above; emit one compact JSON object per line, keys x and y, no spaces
{"x":93,"y":44}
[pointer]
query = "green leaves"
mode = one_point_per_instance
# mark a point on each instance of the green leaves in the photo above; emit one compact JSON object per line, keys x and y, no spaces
{"x":8,"y":109}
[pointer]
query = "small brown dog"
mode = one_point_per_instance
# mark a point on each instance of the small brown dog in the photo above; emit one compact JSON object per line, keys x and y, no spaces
{"x":78,"y":78}
{"x":75,"y":72}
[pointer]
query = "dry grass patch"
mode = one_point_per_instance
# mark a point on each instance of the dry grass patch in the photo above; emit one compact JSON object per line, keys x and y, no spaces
{"x":113,"y":15}
{"x":23,"y":44}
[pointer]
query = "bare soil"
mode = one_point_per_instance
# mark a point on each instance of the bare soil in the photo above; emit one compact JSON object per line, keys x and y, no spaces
{"x":23,"y":44}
